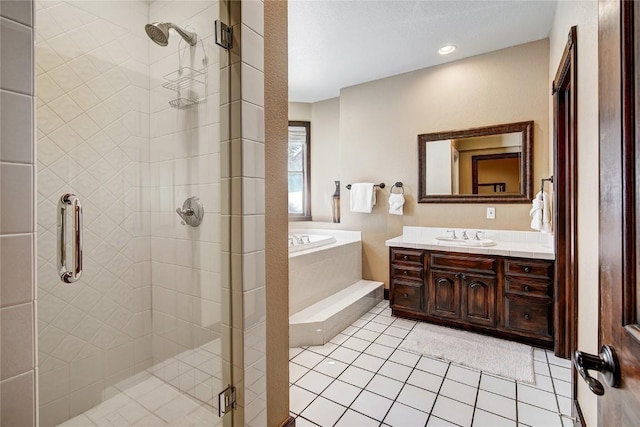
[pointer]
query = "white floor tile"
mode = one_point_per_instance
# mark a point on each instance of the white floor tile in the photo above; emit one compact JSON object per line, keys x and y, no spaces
{"x":339,"y":339}
{"x":434,"y":366}
{"x":354,"y":419}
{"x":378,"y":350}
{"x":371,"y":404}
{"x":396,"y":332}
{"x":383,"y":320}
{"x":542,"y":383}
{"x":384,"y":386}
{"x":359,"y":323}
{"x":308,"y":359}
{"x":499,"y":386}
{"x":367,"y":316}
{"x":151,"y":420}
{"x":375,"y":327}
{"x":366,"y":335}
{"x":496,"y":404}
{"x":539,"y":354}
{"x":541,"y":368}
{"x":314,"y":381}
{"x":331,"y":367}
{"x":350,"y":330}
{"x":404,"y":324}
{"x":299,"y":399}
{"x":464,"y":375}
{"x":562,"y":388}
{"x":560,"y":372}
{"x":293,"y":352}
{"x":453,"y":411}
{"x":534,"y":416}
{"x":564,"y":403}
{"x":356,"y":344}
{"x":458,"y":391}
{"x":405,"y":358}
{"x":425,"y":380}
{"x":485,"y":419}
{"x":555,"y":360}
{"x":388,"y":340}
{"x":368,"y":362}
{"x":417,"y":398}
{"x":439,"y":422}
{"x":395,"y":370}
{"x":303,"y":422}
{"x":356,"y":376}
{"x":79,"y":421}
{"x":344,"y":354}
{"x":404,"y":416}
{"x":341,"y":392}
{"x":296,"y":372}
{"x":324,"y":350}
{"x":537,"y":397}
{"x":323,"y":412}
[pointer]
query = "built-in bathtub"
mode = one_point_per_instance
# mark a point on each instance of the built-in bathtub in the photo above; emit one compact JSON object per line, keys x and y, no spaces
{"x":326,"y":290}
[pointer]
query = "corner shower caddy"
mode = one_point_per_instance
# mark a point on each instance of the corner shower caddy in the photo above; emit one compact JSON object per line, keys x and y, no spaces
{"x":187,"y":82}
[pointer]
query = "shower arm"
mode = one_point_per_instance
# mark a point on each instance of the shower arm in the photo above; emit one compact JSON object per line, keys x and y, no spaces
{"x":189,"y":37}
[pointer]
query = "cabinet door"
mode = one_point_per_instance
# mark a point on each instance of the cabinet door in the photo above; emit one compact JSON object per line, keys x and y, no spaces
{"x":444,"y":294}
{"x":479,"y":299}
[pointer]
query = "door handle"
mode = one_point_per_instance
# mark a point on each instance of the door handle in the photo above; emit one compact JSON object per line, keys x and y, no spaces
{"x":606,"y":363}
{"x":65,"y":201}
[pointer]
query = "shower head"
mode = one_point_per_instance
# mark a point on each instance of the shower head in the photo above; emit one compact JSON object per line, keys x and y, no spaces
{"x":159,"y":33}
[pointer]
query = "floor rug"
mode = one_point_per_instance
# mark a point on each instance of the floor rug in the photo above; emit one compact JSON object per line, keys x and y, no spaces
{"x":491,"y":355}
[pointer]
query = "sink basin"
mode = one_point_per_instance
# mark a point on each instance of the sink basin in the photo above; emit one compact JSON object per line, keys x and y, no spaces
{"x":461,"y":242}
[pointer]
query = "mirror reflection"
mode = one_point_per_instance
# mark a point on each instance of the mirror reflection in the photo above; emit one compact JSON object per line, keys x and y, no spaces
{"x":481,"y":164}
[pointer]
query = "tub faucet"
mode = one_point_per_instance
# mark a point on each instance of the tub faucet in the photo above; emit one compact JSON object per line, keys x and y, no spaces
{"x":298,"y":240}
{"x":464,"y":235}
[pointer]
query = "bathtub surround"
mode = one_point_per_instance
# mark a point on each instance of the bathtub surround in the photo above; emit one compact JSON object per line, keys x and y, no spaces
{"x":326,"y":290}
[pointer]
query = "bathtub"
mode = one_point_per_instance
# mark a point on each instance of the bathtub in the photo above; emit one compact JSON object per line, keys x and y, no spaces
{"x":311,"y":241}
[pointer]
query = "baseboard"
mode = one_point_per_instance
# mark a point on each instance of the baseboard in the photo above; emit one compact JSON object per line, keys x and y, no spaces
{"x":386,"y":294}
{"x":289,"y":422}
{"x":580,"y":422}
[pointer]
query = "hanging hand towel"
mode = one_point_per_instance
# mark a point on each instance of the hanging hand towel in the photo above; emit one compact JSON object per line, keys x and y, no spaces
{"x":540,"y":213}
{"x":395,"y":203}
{"x":362,"y":197}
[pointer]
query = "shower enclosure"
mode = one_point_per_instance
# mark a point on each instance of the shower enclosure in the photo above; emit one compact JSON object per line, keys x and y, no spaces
{"x":130,"y":129}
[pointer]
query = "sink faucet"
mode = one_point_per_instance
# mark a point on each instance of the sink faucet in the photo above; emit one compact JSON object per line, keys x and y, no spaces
{"x":464,"y":235}
{"x":453,"y":235}
{"x":477,"y":236}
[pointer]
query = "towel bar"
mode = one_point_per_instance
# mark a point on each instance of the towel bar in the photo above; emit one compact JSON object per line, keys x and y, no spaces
{"x":550,"y":179}
{"x":381,"y":185}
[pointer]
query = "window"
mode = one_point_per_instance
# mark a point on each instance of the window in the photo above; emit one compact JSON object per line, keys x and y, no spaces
{"x":298,"y":170}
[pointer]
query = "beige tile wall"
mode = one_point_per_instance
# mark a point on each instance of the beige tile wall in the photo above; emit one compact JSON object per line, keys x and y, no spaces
{"x":17,"y":232}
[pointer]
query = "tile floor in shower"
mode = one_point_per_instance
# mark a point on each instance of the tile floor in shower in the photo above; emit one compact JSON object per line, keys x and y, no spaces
{"x":362,"y":379}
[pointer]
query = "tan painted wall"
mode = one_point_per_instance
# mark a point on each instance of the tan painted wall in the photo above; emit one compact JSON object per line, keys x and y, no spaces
{"x":380,"y":121}
{"x":277,"y":253}
{"x":584,"y":14}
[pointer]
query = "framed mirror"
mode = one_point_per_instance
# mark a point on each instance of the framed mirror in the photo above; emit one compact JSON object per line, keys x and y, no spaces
{"x":491,"y":164}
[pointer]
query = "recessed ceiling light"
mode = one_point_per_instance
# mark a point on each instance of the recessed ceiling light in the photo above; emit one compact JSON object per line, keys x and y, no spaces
{"x":446,"y":49}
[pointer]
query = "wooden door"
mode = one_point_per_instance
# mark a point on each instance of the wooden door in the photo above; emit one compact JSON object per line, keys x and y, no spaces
{"x":619,"y":313}
{"x":479,"y":299}
{"x":444,"y":294}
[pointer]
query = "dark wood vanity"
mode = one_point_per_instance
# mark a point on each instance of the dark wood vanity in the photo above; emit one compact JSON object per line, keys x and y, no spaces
{"x":505,"y":297}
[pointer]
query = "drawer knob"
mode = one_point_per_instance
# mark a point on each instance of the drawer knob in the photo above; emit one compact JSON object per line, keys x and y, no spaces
{"x":405,"y":257}
{"x":526,"y":288}
{"x":527,"y":269}
{"x":526,"y":316}
{"x":405,"y":272}
{"x":405,"y":296}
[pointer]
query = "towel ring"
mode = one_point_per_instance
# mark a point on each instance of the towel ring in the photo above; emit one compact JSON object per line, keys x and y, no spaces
{"x":397,"y":185}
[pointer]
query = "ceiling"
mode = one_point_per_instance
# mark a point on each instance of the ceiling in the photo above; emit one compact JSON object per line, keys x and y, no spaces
{"x":336,"y":44}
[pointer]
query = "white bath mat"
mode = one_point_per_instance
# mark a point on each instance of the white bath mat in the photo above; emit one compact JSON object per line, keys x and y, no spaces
{"x":491,"y":355}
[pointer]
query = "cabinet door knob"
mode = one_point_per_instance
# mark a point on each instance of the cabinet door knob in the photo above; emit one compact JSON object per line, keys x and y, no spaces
{"x":527,"y":269}
{"x":405,"y":257}
{"x":526,"y":316}
{"x":405,"y":296}
{"x":405,"y":272}
{"x":526,"y":288}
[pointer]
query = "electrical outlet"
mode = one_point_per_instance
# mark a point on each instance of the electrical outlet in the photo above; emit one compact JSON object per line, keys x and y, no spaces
{"x":491,"y":213}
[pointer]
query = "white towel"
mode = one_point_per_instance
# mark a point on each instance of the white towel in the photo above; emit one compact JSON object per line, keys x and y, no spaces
{"x":396,"y":200}
{"x":540,"y":213}
{"x":362,"y":197}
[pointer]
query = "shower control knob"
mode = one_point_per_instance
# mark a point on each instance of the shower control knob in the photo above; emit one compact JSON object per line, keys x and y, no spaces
{"x":192,"y":212}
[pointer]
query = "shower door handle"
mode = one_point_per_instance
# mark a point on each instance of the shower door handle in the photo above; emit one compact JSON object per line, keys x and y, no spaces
{"x":65,"y":201}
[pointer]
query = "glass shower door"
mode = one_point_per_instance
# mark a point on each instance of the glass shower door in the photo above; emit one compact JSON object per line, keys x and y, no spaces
{"x":131,"y":129}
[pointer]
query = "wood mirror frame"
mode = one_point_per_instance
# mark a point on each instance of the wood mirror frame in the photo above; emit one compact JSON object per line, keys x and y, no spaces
{"x":526,"y":171}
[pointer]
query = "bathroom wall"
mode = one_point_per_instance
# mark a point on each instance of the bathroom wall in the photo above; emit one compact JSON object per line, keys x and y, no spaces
{"x":93,"y":140}
{"x":378,"y":126}
{"x":17,"y":224}
{"x":184,"y":161}
{"x":584,"y":15}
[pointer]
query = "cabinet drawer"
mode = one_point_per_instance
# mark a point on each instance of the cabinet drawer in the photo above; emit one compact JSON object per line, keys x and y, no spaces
{"x":529,"y":315}
{"x":527,"y":287}
{"x":463,"y":262}
{"x":528,"y":268}
{"x":408,"y":295}
{"x":407,"y":272}
{"x":407,"y":256}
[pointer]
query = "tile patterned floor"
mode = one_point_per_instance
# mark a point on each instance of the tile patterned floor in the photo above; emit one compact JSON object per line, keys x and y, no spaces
{"x":362,"y":379}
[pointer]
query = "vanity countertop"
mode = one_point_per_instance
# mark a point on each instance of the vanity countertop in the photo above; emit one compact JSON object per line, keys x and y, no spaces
{"x":522,"y":244}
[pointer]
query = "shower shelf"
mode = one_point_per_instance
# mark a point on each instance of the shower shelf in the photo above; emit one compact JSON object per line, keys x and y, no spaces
{"x":185,"y":79}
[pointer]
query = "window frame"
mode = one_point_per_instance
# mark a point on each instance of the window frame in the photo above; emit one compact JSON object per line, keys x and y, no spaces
{"x":306,"y":174}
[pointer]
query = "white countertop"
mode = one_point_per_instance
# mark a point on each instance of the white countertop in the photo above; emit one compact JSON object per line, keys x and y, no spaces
{"x":522,"y":244}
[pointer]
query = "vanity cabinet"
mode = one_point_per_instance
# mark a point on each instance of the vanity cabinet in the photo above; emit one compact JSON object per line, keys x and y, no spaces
{"x":502,"y":296}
